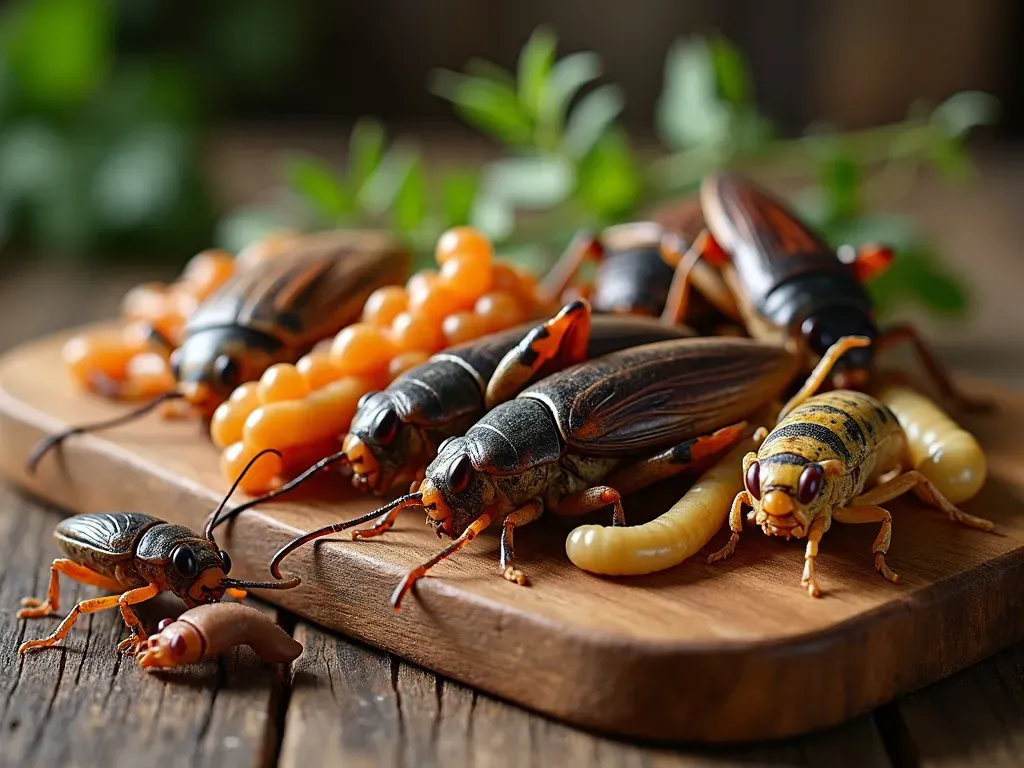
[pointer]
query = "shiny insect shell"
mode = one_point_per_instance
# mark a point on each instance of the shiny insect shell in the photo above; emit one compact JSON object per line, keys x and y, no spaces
{"x":814,"y":466}
{"x":790,"y":285}
{"x":395,"y":433}
{"x":628,"y":419}
{"x":137,"y":556}
{"x":272,"y":312}
{"x":278,"y":309}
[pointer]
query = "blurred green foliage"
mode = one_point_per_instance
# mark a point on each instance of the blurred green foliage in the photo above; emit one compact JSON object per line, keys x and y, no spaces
{"x":100,"y":143}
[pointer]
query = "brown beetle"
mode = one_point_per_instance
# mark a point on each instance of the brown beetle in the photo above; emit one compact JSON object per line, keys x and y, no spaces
{"x":579,"y":439}
{"x":272,"y":312}
{"x":138,"y":556}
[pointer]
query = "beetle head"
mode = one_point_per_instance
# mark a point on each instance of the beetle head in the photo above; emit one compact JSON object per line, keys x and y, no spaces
{"x":380,"y":446}
{"x":210,"y":364}
{"x":788,"y":493}
{"x":454,"y":492}
{"x":827,"y":325}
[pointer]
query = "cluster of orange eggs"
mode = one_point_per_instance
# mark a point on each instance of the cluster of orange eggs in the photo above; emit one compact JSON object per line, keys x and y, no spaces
{"x":303,"y":409}
{"x":126,"y":361}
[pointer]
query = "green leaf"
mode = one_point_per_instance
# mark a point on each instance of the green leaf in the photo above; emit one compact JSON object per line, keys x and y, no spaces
{"x":568,"y":76}
{"x":690,"y":112}
{"x":141,"y":178}
{"x":609,"y":183}
{"x":458,"y":192}
{"x":965,"y":110}
{"x":535,"y":62}
{"x":365,"y":150}
{"x":493,"y":216}
{"x":381,"y":191}
{"x":34,"y":159}
{"x":316,"y":184}
{"x":591,"y":119}
{"x":840,"y":181}
{"x":950,"y":157}
{"x":410,"y":206}
{"x":59,"y":50}
{"x":732,"y":77}
{"x":896,"y":232}
{"x":534,"y":183}
{"x":917,"y":274}
{"x":489,"y":71}
{"x":491,"y":106}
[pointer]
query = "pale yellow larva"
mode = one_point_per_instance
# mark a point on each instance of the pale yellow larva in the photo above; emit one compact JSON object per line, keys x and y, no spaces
{"x":670,"y":538}
{"x":941,"y":449}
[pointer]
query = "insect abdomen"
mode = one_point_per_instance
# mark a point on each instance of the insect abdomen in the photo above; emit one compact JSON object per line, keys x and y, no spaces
{"x":842,"y":425}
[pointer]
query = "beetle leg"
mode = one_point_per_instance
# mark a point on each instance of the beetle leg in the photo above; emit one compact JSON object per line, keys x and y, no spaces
{"x":936,"y":372}
{"x":695,"y":267}
{"x":591,"y":500}
{"x":86,"y":606}
{"x":562,"y":339}
{"x":872,"y":514}
{"x":677,"y":459}
{"x":822,"y":370}
{"x":735,"y":527}
{"x":584,"y":246}
{"x":527,"y":513}
{"x":471,"y":532}
{"x":809,"y":579}
{"x":33,"y":608}
{"x":131,"y":644}
{"x":924,"y":490}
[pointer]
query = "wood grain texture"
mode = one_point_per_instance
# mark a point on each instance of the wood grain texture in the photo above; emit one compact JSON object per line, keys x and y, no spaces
{"x":351,"y":705}
{"x":735,"y":651}
{"x":83,"y":704}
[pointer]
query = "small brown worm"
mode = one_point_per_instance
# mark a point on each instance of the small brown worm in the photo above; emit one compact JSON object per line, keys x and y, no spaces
{"x":207,"y":630}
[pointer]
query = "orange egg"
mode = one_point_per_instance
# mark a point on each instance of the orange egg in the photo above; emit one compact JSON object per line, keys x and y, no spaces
{"x":403,"y":361}
{"x":384,"y":304}
{"x":148,"y":375}
{"x":499,"y":310}
{"x":260,"y":478}
{"x":464,"y":241}
{"x":466,"y":275}
{"x":226,"y":424}
{"x":145,"y":302}
{"x":282,"y":382}
{"x":436,"y":301}
{"x":207,"y":271}
{"x":410,"y":332}
{"x":318,"y":369}
{"x":324,"y":413}
{"x":421,"y":281}
{"x":464,"y":326}
{"x":101,"y":354}
{"x":362,"y":349}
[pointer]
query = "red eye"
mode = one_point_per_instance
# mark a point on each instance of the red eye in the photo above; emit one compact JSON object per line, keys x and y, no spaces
{"x":810,"y":484}
{"x":459,"y":474}
{"x":178,"y":646}
{"x":385,"y":428}
{"x":754,"y":480}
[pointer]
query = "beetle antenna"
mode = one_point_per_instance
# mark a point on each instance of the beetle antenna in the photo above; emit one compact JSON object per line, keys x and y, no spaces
{"x":52,"y":441}
{"x":291,"y":583}
{"x":334,"y":458}
{"x":409,"y":500}
{"x":211,"y":522}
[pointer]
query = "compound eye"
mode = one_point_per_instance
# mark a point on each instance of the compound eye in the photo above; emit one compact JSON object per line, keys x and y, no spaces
{"x":225,"y":368}
{"x":364,"y":399}
{"x":459,"y":474}
{"x":184,"y":561}
{"x":443,"y":445}
{"x":385,"y":428}
{"x":178,"y":646}
{"x":225,"y":561}
{"x":813,"y":330}
{"x":753,"y":480}
{"x":810,"y":484}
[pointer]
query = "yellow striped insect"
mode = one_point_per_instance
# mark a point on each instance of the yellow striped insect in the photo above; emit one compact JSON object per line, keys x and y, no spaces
{"x":815,"y":465}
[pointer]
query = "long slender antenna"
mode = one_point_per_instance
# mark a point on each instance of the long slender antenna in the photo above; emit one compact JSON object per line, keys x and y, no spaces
{"x":212,"y":521}
{"x":290,"y":485}
{"x":52,"y":441}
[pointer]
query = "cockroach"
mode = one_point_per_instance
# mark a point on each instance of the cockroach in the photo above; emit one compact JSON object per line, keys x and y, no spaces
{"x":272,"y":312}
{"x":791,"y":286}
{"x":628,"y":419}
{"x":395,"y":432}
{"x":210,"y":629}
{"x":814,"y":466}
{"x":138,"y":556}
{"x":633,"y":274}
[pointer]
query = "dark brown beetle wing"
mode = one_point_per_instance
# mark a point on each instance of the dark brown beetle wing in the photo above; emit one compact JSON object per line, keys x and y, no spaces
{"x":634,"y":401}
{"x":767,"y":243}
{"x":112,"y":533}
{"x":308,"y":294}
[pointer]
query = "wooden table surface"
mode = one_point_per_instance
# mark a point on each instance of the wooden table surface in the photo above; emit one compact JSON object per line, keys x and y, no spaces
{"x":344,"y":703}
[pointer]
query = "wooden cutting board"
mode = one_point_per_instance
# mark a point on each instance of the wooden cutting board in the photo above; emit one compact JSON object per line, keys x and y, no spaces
{"x":730,"y":652}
